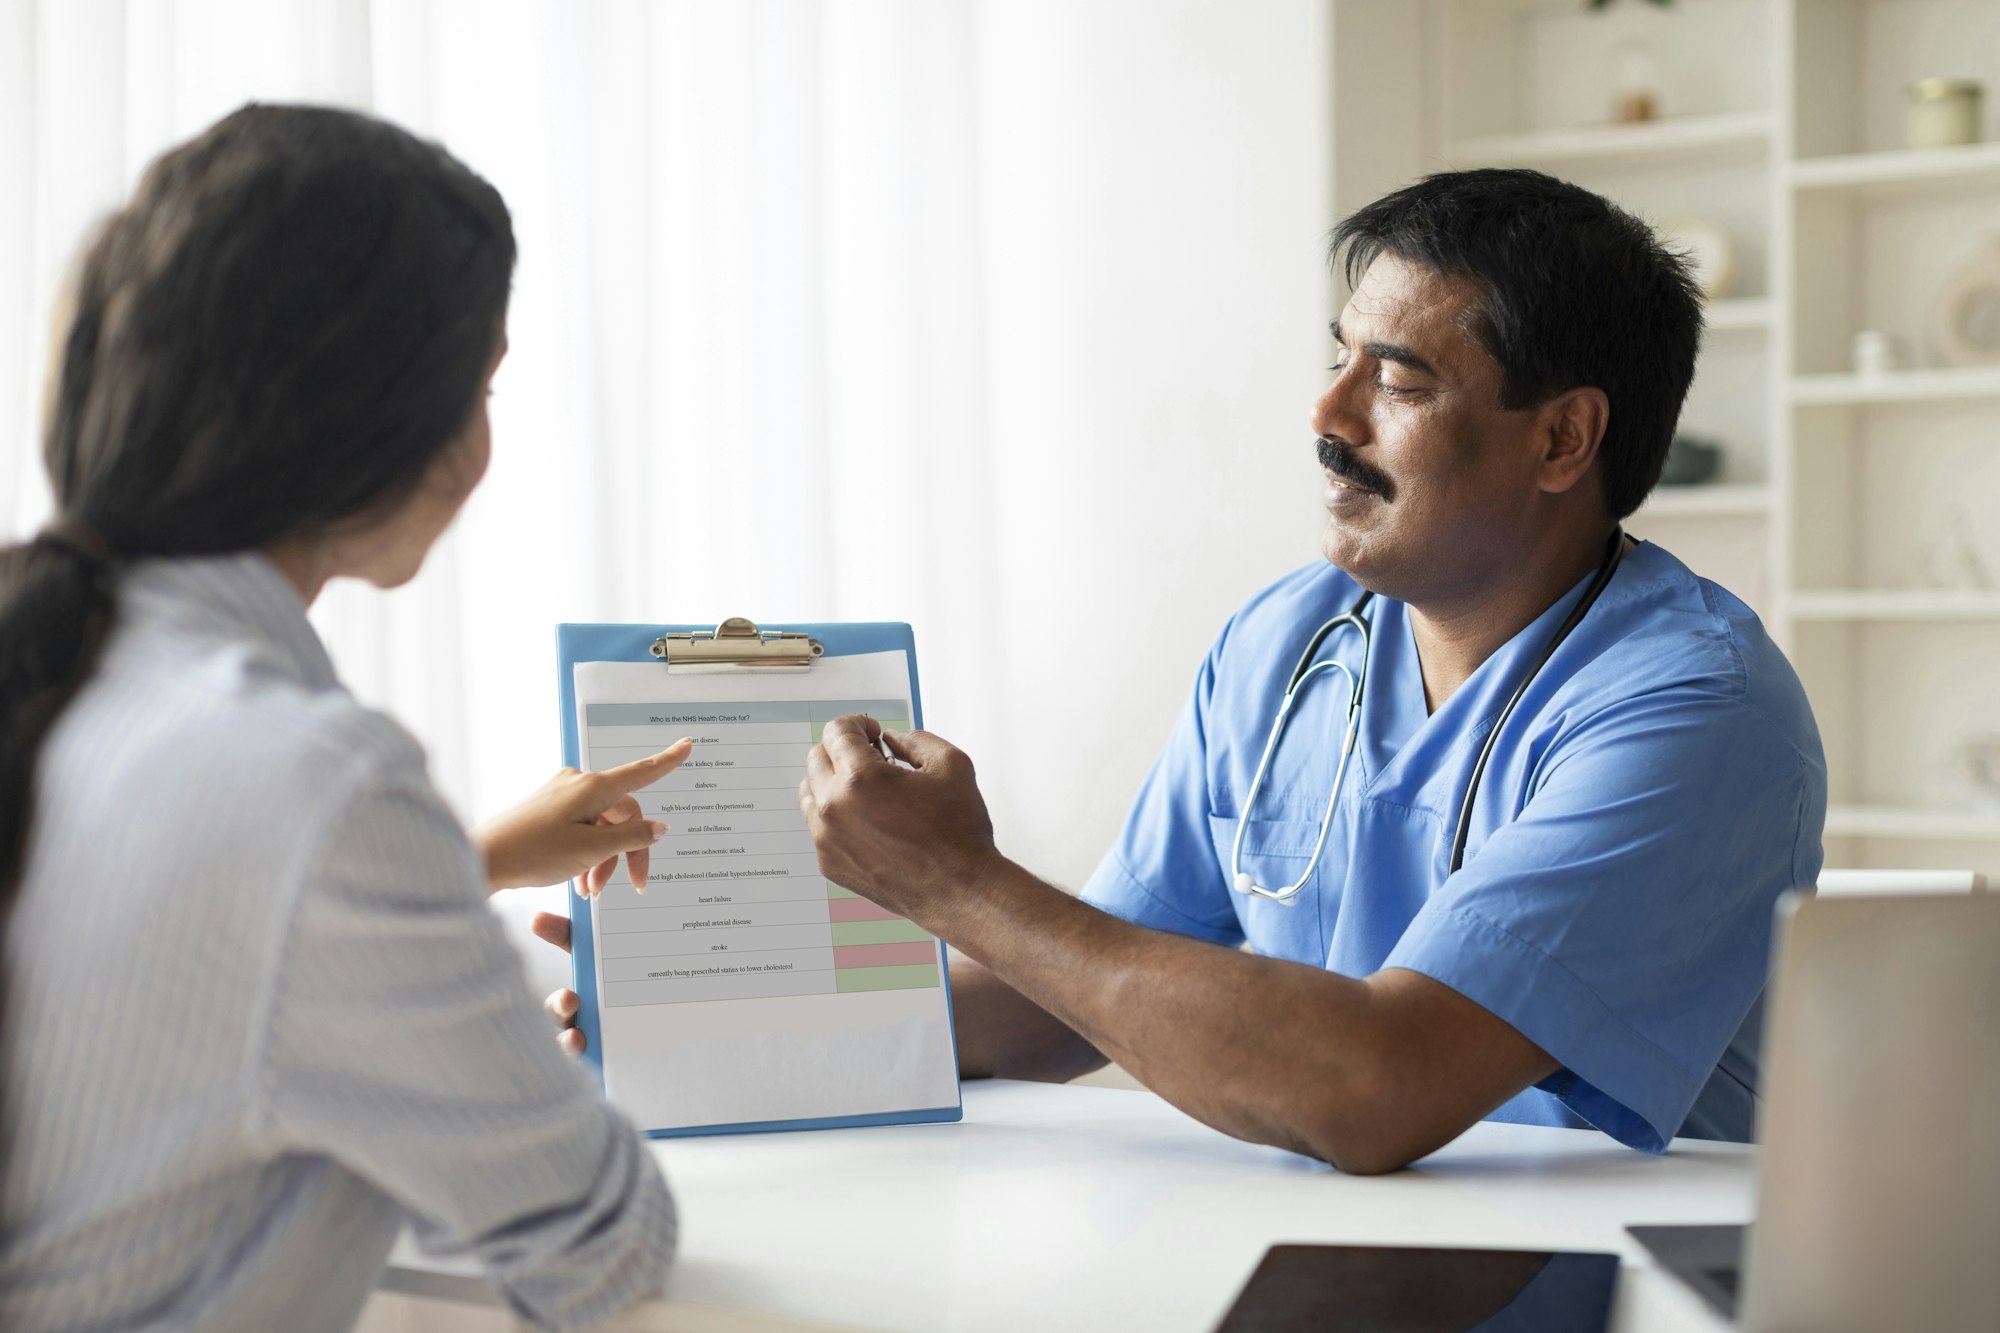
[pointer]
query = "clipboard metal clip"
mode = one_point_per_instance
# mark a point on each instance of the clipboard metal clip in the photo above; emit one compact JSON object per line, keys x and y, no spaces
{"x":737,"y":645}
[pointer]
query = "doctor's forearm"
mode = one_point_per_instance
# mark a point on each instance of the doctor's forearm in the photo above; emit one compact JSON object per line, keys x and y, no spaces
{"x":1261,"y":1049}
{"x":1003,"y":1034}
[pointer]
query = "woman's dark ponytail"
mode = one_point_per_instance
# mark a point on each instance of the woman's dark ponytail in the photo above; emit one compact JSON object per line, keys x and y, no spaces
{"x":56,"y":607}
{"x":289,"y":323}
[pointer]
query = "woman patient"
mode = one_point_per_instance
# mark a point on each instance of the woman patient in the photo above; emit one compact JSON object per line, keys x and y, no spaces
{"x":256,"y":1013}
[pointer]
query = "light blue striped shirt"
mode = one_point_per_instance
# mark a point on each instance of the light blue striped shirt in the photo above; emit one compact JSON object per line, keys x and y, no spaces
{"x":259,"y":1014}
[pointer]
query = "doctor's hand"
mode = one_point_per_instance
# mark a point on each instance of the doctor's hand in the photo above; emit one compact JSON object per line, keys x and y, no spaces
{"x":561,"y":1004}
{"x":577,"y":826}
{"x":902,"y":837}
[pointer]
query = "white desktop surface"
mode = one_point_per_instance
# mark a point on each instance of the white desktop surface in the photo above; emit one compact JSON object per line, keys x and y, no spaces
{"x":1055,"y":1208}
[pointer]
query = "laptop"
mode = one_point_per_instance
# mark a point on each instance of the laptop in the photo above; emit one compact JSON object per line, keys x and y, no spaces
{"x":1879,"y":1181}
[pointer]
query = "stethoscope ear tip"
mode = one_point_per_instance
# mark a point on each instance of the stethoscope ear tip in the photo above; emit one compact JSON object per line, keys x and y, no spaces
{"x":1244,"y":884}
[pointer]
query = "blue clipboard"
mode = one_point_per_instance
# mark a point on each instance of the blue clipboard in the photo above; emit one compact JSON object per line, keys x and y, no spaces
{"x":634,"y":643}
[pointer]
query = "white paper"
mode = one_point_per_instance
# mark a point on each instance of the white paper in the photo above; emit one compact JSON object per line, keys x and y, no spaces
{"x":741,"y":987}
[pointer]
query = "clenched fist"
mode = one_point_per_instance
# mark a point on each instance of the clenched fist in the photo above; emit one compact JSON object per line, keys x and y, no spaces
{"x":907,"y":838}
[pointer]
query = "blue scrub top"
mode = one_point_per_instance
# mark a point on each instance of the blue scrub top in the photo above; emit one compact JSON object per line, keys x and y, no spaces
{"x":1660,"y":784}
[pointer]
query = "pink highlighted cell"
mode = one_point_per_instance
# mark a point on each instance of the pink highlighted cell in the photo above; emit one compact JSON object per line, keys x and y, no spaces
{"x":857,"y":909}
{"x":883,"y":955}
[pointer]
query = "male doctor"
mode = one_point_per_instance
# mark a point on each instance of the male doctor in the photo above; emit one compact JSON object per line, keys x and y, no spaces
{"x":1510,"y":369}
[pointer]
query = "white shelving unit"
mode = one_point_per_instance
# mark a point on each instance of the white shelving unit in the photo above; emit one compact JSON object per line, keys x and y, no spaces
{"x":1725,"y":136}
{"x":1783,"y":122}
{"x":1907,"y":172}
{"x":1879,"y":821}
{"x":1958,"y":384}
{"x":1883,"y":607}
{"x":1739,"y":501}
{"x":1741,"y":314}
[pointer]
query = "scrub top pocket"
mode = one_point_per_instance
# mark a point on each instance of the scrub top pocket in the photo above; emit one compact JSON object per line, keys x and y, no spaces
{"x":1275,"y":853}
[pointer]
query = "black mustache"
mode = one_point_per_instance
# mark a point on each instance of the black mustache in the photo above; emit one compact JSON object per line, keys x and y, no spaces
{"x":1337,"y":457}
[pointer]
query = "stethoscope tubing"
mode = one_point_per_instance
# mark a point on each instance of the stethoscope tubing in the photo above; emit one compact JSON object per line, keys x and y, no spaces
{"x":1244,"y":883}
{"x":1605,"y":571}
{"x":1308,"y":667}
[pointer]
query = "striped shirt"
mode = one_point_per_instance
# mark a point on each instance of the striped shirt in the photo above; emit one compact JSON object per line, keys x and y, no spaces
{"x":259,"y":1016}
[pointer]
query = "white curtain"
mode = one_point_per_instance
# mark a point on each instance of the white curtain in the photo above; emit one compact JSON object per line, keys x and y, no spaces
{"x":997,"y":316}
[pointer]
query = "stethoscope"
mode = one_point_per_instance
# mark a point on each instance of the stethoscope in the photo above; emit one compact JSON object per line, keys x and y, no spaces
{"x":1357,"y":682}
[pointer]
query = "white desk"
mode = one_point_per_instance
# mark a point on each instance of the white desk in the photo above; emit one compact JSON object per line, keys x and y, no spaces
{"x":1058,"y":1208}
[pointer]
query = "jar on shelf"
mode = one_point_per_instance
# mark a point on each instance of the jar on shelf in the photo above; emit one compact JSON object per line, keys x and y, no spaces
{"x":1635,"y":83}
{"x":1943,"y":113}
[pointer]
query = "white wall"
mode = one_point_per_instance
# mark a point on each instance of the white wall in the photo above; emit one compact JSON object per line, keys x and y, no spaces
{"x":1157,"y":205}
{"x":1000,"y":316}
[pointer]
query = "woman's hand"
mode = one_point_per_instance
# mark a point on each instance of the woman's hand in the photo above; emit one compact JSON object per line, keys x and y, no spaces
{"x":561,"y":1004}
{"x":577,"y":826}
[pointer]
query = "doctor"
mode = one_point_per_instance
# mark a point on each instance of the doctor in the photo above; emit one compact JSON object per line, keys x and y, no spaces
{"x":1584,"y":941}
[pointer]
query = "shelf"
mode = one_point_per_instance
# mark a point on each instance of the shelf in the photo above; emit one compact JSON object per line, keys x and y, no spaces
{"x":1902,"y":386}
{"x":1738,"y":134}
{"x":1739,"y":313}
{"x":1823,"y":508}
{"x":1888,"y":821}
{"x":1908,"y":171}
{"x":1895,"y":605}
{"x":1726,"y":501}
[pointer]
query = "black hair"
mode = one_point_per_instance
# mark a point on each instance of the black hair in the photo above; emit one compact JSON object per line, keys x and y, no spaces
{"x":291,"y":320}
{"x":1574,"y":292}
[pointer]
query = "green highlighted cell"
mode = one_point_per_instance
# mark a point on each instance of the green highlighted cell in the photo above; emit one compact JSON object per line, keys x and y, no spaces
{"x":910,"y":976}
{"x":878,"y":932}
{"x":835,"y":891}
